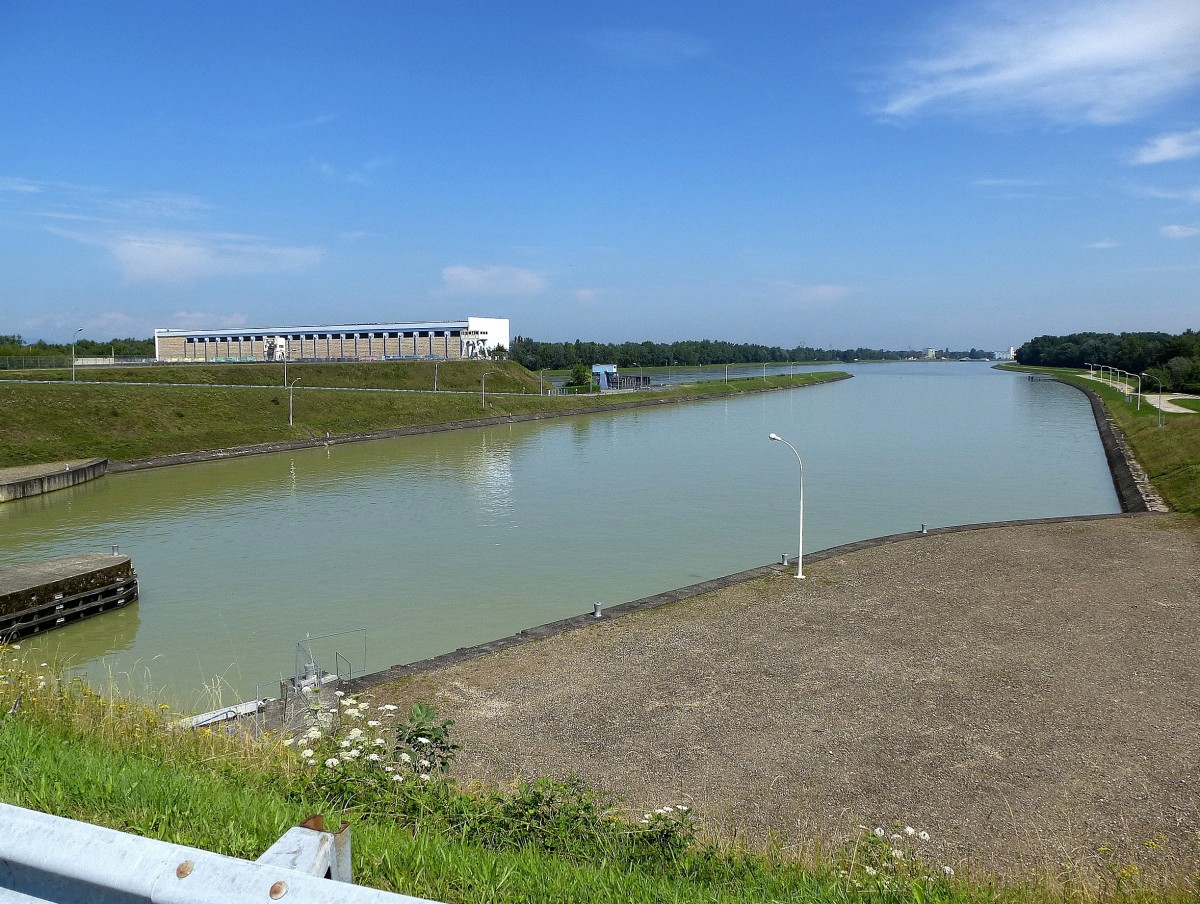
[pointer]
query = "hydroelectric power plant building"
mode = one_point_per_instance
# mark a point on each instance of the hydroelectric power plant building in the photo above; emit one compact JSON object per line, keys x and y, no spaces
{"x":473,"y":337}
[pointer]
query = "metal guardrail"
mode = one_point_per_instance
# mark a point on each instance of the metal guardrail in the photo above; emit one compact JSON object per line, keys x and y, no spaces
{"x":47,"y":858}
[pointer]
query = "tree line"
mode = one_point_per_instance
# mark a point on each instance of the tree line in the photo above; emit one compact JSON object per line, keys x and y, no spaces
{"x":1173,"y":359}
{"x":15,"y":345}
{"x":536,"y":355}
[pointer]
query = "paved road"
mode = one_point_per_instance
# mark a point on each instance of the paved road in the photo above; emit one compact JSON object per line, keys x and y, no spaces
{"x":1165,"y":400}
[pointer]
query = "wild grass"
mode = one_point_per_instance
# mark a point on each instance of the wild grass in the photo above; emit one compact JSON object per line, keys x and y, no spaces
{"x":67,"y":750}
{"x":45,"y":422}
{"x":1170,"y":453}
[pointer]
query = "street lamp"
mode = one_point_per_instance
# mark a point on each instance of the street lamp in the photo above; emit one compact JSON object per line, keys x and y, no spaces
{"x":435,"y":366}
{"x":800,"y":552}
{"x":540,"y":372}
{"x":726,"y":374}
{"x":1160,"y":401}
{"x":641,"y":378}
{"x":483,"y":388}
{"x":73,"y":338}
{"x":290,"y":387}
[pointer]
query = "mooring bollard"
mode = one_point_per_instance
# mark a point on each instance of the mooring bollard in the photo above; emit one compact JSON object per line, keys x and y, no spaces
{"x":923,"y":529}
{"x":596,"y":609}
{"x":783,"y":559}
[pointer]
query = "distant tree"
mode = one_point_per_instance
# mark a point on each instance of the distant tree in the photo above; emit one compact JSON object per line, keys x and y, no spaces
{"x":581,"y":375}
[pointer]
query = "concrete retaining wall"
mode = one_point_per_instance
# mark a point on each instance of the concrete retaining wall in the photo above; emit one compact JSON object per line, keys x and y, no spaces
{"x":49,"y":481}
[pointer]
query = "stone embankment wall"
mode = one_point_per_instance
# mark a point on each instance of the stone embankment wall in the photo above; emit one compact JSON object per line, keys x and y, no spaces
{"x":43,"y":480}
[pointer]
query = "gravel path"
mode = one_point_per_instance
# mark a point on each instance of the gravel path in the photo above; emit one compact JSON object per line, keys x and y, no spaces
{"x":1029,"y":695}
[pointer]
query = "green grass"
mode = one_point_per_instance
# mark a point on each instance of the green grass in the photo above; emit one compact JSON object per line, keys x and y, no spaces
{"x":1170,"y":454}
{"x":71,"y":752}
{"x":57,"y":421}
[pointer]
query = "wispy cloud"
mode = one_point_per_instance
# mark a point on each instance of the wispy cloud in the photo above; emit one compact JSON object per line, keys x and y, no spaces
{"x":1103,"y":245}
{"x":648,"y":48}
{"x":198,"y":320}
{"x":798,"y":295}
{"x":1007,"y":183}
{"x":1179,"y":232}
{"x":1192,"y":195}
{"x":176,"y":256}
{"x":23,"y":186}
{"x":1173,"y":146}
{"x":491,"y":280}
{"x":359,"y":174}
{"x":1094,"y":61}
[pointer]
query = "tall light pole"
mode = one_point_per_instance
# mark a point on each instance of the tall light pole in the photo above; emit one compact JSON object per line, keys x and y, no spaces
{"x":286,"y":342}
{"x":800,"y":552}
{"x":540,"y":372}
{"x":483,"y":388}
{"x":726,"y":374}
{"x":435,"y":365}
{"x":290,"y":387}
{"x":1160,"y":402}
{"x":641,"y":378}
{"x":73,"y":338}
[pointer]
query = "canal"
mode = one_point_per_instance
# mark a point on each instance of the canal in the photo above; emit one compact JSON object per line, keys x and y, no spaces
{"x":434,"y":542}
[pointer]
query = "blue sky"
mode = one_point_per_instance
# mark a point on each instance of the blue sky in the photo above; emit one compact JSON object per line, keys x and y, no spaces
{"x":858,"y":172}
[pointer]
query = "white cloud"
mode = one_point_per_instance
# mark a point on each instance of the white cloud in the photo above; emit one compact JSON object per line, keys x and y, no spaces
{"x":356,"y":175}
{"x":1096,"y":61}
{"x":811,"y":296}
{"x":181,"y":256}
{"x":648,"y":48}
{"x":492,"y":280}
{"x":23,"y":186}
{"x":1103,"y":244}
{"x":1007,"y":183}
{"x":1173,"y":146}
{"x":1183,"y":194}
{"x":1179,"y":232}
{"x":161,"y":205}
{"x":198,"y":320}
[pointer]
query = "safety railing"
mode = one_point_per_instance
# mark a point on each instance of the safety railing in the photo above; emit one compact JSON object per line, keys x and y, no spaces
{"x":47,"y":858}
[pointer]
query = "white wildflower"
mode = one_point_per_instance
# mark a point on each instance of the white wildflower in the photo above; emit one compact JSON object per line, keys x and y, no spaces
{"x":374,"y":757}
{"x":288,"y":742}
{"x":339,"y":693}
{"x":354,"y":733}
{"x":897,"y":853}
{"x":306,"y":753}
{"x":406,"y":758}
{"x":924,"y":836}
{"x":425,"y":776}
{"x":424,"y":764}
{"x":397,"y":777}
{"x":332,"y":762}
{"x":374,"y":723}
{"x":390,"y":707}
{"x":871,"y":871}
{"x":879,"y":831}
{"x":909,"y":831}
{"x":379,"y":742}
{"x":422,"y":740}
{"x":948,"y":871}
{"x":353,"y":754}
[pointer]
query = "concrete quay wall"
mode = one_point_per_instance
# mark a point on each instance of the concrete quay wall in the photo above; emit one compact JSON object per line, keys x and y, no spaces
{"x":45,"y":480}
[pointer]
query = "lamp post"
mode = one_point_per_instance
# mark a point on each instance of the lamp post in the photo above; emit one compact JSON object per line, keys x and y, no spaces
{"x":290,"y":387}
{"x":726,"y":374}
{"x":800,"y":551}
{"x":483,"y":388}
{"x":73,"y":338}
{"x":435,"y":367}
{"x":1160,"y":401}
{"x":641,"y":379}
{"x":285,"y":357}
{"x":540,"y":372}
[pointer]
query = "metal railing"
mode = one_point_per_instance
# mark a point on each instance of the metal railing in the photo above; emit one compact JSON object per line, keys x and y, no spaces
{"x":47,"y":858}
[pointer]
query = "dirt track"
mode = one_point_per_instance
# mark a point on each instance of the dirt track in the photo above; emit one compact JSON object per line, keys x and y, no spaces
{"x":1029,"y":695}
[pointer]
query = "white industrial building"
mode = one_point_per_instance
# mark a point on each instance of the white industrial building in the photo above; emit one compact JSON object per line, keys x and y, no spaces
{"x":474,"y":337}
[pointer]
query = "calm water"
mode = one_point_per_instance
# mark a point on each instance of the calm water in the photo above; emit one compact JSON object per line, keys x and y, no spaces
{"x":436,"y":542}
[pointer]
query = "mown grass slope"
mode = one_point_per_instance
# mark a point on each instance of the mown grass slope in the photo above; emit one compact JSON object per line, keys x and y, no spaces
{"x":57,"y":421}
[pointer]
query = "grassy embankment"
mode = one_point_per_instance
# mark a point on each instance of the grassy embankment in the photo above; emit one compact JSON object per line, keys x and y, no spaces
{"x":227,"y":406}
{"x":71,"y":752}
{"x":1170,"y":454}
